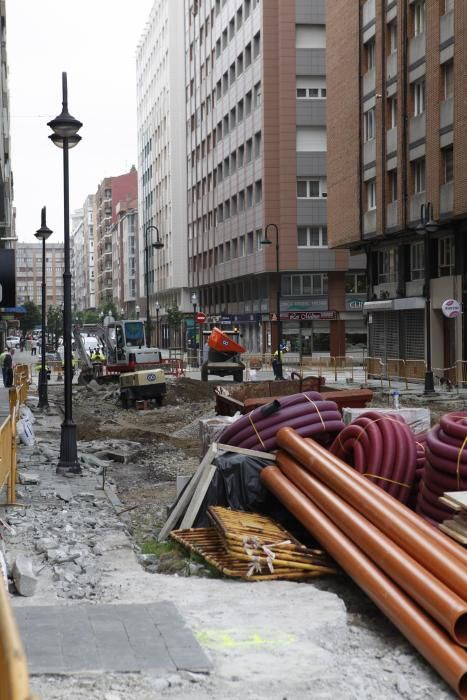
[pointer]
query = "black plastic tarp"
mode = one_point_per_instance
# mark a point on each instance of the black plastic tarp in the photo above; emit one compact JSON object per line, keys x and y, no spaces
{"x":236,"y":484}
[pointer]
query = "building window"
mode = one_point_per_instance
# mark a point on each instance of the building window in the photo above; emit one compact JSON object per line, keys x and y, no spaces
{"x":419,"y":175}
{"x":304,"y":285}
{"x":418,"y":17}
{"x":312,"y":236}
{"x":371,"y":194}
{"x":257,"y":95}
{"x":311,"y":189}
{"x":369,"y":119}
{"x":355,"y":283}
{"x":445,"y":256}
{"x":387,"y":265}
{"x":418,"y":97}
{"x":417,"y":260}
{"x":311,"y":93}
{"x":370,"y":49}
{"x":448,"y":164}
{"x":448,"y":79}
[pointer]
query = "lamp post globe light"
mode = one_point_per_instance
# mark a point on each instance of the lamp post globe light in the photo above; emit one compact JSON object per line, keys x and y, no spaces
{"x":65,"y":135}
{"x":194,"y":301}
{"x":137,"y":310}
{"x":158,"y":245}
{"x":427,"y":226}
{"x":42,"y":234}
{"x":267,"y":241}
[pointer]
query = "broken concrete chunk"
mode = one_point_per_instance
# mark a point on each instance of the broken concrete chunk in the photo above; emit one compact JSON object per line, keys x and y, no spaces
{"x":46,"y":543}
{"x":28,"y":478}
{"x":63,"y":491}
{"x":24,"y":576}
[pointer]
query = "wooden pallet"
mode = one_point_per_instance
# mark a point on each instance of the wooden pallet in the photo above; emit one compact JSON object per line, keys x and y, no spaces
{"x":208,"y":544}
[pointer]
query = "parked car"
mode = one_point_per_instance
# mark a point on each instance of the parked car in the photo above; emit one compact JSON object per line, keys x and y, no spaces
{"x":13,"y":341}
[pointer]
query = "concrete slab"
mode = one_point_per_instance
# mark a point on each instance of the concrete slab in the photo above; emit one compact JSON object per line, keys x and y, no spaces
{"x":94,"y":638}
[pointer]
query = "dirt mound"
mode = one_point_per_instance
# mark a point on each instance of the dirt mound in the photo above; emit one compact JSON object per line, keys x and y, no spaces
{"x":185,"y":389}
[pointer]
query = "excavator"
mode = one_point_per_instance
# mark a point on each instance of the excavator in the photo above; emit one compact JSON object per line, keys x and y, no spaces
{"x":124,"y":346}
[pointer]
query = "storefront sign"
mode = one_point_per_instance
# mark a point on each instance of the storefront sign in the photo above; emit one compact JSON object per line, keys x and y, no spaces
{"x":225,"y":319}
{"x":451,"y":308}
{"x":306,"y":316}
{"x":7,"y":277}
{"x":355,"y":303}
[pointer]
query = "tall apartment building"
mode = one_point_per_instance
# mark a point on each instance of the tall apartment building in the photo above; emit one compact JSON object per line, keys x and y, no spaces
{"x":125,"y":258}
{"x":77,"y":261}
{"x":256,"y":125}
{"x":161,"y":110}
{"x":110,"y":192}
{"x":7,"y":230}
{"x":397,"y":133}
{"x":29,"y":273}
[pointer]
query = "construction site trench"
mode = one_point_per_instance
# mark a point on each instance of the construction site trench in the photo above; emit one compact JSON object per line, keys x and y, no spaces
{"x":280,"y":639}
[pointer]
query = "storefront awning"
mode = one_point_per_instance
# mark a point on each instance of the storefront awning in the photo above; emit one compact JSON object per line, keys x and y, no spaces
{"x":399,"y":304}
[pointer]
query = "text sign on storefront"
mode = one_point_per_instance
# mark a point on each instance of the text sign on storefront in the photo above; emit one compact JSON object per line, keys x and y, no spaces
{"x":307,"y":316}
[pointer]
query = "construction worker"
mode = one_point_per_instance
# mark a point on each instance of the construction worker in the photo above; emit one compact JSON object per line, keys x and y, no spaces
{"x":97,"y":359}
{"x":277,"y":363}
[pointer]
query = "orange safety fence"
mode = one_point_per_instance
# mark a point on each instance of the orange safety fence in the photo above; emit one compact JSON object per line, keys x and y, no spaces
{"x":374,"y":369}
{"x":8,"y":455}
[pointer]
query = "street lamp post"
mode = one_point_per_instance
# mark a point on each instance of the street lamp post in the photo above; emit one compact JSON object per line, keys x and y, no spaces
{"x":427,"y":226}
{"x":65,"y":135}
{"x":267,"y":241}
{"x":157,"y":306}
{"x":42,"y":234}
{"x":157,"y":245}
{"x":194,"y":301}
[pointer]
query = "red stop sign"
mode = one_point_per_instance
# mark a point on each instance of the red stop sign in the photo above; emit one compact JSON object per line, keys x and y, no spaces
{"x":200,"y":317}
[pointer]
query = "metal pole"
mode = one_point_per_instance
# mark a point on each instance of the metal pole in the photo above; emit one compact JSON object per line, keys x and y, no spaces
{"x":68,"y":461}
{"x":429,"y":379}
{"x":148,"y":313}
{"x":157,"y":328}
{"x":194,"y":334}
{"x":43,"y":394}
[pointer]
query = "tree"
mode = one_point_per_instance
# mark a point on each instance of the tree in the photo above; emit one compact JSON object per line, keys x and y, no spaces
{"x":174,"y":320}
{"x":31,"y":318}
{"x":55,"y":324}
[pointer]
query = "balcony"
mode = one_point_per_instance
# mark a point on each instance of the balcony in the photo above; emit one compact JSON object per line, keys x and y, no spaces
{"x":417,"y":128}
{"x":417,"y":48}
{"x":446,"y":27}
{"x":391,"y":66}
{"x":414,"y":288}
{"x":369,"y":82}
{"x":385,"y":290}
{"x":446,"y":198}
{"x":446,"y":113}
{"x":391,"y":215}
{"x":416,"y":201}
{"x":369,"y":152}
{"x":369,"y":222}
{"x":391,"y":140}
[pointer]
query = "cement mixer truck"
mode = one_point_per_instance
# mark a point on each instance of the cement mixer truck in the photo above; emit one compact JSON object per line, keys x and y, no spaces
{"x":223,"y":355}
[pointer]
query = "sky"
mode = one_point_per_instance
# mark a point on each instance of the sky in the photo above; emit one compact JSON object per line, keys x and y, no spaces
{"x":95,"y":42}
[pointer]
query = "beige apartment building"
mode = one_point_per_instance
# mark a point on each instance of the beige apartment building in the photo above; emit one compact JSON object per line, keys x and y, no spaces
{"x":257,"y":162}
{"x":29,"y":273}
{"x":397,"y":166}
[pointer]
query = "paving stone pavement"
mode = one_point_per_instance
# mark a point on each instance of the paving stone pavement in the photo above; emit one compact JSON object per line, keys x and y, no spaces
{"x":96,"y":638}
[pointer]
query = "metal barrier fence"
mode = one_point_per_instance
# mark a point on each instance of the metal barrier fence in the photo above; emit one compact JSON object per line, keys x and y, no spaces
{"x":8,"y":455}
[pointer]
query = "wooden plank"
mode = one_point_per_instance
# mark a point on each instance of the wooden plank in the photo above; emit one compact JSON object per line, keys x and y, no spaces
{"x":187,"y":494}
{"x":458,"y":498}
{"x":450,"y":503}
{"x":198,"y":497}
{"x":453,"y":533}
{"x":244,"y":451}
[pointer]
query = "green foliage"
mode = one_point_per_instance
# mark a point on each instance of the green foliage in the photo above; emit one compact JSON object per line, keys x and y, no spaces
{"x":157,"y":548}
{"x":174,"y":317}
{"x":55,"y":324}
{"x":108,"y":307}
{"x":31,"y":318}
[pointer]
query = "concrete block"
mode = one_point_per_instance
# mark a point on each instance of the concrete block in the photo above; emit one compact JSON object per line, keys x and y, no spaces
{"x":28,"y":478}
{"x":24,"y":576}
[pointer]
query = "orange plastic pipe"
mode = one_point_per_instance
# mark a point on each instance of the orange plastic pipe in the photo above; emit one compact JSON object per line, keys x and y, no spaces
{"x":432,"y":595}
{"x":447,"y":657}
{"x":431,"y":548}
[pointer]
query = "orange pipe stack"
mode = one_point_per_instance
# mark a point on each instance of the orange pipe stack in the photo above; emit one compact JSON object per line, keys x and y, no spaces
{"x":416,"y":575}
